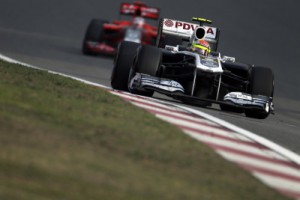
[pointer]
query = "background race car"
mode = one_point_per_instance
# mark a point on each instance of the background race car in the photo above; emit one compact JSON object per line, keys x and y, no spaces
{"x":102,"y":37}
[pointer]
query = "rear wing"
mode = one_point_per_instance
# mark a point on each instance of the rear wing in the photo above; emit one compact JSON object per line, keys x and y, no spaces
{"x":139,"y":9}
{"x":184,"y":30}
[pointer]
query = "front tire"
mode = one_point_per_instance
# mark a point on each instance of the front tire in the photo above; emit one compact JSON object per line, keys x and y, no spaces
{"x":122,"y":64}
{"x":94,"y":33}
{"x":240,"y":69}
{"x":147,"y":62}
{"x":261,"y":83}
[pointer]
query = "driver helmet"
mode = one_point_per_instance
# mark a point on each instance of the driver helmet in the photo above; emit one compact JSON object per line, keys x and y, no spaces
{"x":139,"y":21}
{"x":201,"y":46}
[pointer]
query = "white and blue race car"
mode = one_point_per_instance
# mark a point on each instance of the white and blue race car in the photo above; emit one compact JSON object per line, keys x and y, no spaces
{"x":171,"y":68}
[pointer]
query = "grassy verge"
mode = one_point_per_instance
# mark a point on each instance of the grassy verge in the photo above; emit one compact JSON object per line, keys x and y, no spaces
{"x":61,"y":139}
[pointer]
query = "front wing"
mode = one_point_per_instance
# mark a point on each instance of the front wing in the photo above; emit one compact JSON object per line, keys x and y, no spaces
{"x":144,"y":82}
{"x":100,"y":48}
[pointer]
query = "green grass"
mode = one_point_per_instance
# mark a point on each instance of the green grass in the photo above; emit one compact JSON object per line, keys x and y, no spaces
{"x":61,"y":139}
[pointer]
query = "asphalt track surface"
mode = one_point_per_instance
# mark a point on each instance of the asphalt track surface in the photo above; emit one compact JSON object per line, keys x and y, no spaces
{"x":49,"y":34}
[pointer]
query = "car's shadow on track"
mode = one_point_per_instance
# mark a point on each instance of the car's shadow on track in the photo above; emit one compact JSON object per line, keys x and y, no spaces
{"x":214,"y":109}
{"x":75,"y":52}
{"x":102,"y":56}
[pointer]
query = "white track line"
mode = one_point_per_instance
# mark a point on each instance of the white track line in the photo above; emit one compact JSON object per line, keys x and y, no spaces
{"x":293,"y":157}
{"x":234,"y":147}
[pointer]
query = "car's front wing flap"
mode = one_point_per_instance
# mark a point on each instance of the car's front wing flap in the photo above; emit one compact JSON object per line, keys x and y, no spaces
{"x":175,"y":90}
{"x":147,"y":82}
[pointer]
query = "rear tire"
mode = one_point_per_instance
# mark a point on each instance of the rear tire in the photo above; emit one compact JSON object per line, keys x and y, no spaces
{"x":147,"y":62}
{"x":261,"y":83}
{"x":94,"y":33}
{"x":122,"y":64}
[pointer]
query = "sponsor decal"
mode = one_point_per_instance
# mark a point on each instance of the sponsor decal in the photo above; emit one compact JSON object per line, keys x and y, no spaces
{"x":169,"y":23}
{"x":187,"y":28}
{"x":210,"y":31}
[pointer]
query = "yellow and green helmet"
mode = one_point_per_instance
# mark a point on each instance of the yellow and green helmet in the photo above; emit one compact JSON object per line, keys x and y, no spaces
{"x":201,"y":46}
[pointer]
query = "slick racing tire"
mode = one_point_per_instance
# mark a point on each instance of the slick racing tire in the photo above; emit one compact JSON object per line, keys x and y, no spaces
{"x":122,"y":64}
{"x":261,"y":83}
{"x":94,"y":33}
{"x":148,"y":62}
{"x":240,"y":69}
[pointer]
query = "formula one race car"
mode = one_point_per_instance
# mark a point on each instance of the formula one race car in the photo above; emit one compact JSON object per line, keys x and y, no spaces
{"x":176,"y":68}
{"x":103,"y":37}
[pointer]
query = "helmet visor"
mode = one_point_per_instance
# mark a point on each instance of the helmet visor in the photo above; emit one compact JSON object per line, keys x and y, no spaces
{"x":201,"y":49}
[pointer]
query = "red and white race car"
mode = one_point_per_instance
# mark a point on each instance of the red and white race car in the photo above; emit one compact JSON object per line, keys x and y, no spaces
{"x":102,"y":37}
